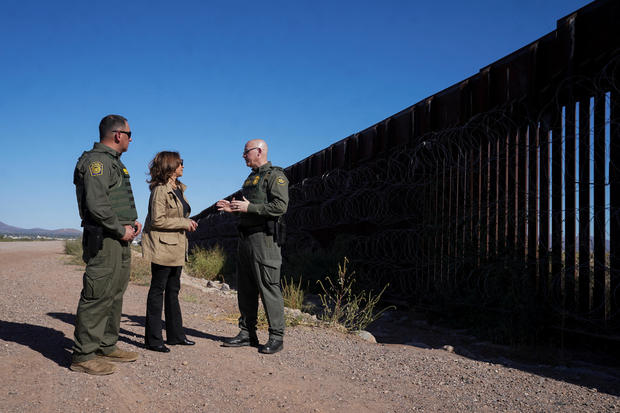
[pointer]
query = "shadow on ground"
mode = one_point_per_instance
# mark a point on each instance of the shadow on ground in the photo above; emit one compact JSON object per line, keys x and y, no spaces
{"x":189,"y":332}
{"x":583,"y":368}
{"x":130,"y":337}
{"x":51,"y":343}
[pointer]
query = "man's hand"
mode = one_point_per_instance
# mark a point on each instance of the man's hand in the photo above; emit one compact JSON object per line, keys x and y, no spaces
{"x":139,"y":226}
{"x":239,"y":206}
{"x":129,"y":233}
{"x":192,"y":225}
{"x":224,"y":205}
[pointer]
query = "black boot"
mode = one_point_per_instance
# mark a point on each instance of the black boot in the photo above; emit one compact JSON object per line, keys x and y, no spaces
{"x":242,"y":339}
{"x":272,"y":346}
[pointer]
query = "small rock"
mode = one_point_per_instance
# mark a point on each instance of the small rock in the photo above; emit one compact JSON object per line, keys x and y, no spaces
{"x":211,"y":284}
{"x":365,"y":335}
{"x":225,"y":287}
{"x":448,"y":348}
{"x":184,"y":363}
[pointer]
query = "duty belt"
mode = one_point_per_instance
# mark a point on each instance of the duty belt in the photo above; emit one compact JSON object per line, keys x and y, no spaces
{"x":245,"y":231}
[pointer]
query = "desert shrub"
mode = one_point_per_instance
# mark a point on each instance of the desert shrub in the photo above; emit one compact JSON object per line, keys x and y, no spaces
{"x":74,"y":247}
{"x":207,"y":263}
{"x":344,"y":306}
{"x":292,"y":293}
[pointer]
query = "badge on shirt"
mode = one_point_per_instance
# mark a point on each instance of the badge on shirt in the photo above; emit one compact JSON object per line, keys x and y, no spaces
{"x":281,"y":181}
{"x":96,"y":168}
{"x":256,"y":178}
{"x":125,"y":171}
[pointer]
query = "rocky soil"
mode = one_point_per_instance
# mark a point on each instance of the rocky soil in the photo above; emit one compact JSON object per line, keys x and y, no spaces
{"x":413,"y":367}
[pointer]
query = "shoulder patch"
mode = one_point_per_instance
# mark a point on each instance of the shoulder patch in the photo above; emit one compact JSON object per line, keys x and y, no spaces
{"x":96,"y":168}
{"x":281,"y":181}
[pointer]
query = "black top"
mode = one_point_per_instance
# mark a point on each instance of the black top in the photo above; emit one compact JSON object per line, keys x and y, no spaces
{"x":186,"y":208}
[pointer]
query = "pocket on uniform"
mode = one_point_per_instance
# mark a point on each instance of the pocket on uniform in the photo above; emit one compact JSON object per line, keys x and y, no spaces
{"x":270,"y":258}
{"x":97,"y":277}
{"x":170,"y":239}
{"x":270,"y":271}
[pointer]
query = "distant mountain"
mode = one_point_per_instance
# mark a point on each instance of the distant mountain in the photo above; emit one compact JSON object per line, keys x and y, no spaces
{"x":62,"y":233}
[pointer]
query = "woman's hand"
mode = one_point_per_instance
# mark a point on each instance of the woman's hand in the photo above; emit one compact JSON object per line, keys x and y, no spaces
{"x":223,"y":205}
{"x":192,"y":225}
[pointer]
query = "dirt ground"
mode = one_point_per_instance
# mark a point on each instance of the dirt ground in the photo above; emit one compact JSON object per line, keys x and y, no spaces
{"x":320,"y":370}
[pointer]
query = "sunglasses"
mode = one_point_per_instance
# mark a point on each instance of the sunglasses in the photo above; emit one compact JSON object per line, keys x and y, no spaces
{"x":248,"y":150}
{"x":128,"y":133}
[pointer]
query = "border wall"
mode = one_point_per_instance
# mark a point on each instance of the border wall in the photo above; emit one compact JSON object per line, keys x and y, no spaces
{"x":504,"y":187}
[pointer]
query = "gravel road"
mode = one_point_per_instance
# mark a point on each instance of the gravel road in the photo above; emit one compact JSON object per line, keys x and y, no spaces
{"x":320,"y":370}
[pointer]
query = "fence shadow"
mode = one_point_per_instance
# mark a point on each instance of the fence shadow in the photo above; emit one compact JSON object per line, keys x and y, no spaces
{"x":593,"y":370}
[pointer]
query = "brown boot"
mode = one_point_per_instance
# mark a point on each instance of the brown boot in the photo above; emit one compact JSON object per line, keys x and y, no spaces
{"x":120,"y":356}
{"x":93,"y":366}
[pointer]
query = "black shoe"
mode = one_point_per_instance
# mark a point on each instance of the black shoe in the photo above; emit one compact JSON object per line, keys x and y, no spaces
{"x":272,"y":346}
{"x":161,"y":348}
{"x":184,"y":342}
{"x":241,"y":340}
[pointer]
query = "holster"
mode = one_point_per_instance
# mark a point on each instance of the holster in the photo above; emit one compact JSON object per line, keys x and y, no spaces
{"x":92,"y":240}
{"x":279,"y":232}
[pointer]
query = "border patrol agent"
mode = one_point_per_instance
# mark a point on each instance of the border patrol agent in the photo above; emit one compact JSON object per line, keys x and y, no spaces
{"x":265,"y":199}
{"x":109,"y":217}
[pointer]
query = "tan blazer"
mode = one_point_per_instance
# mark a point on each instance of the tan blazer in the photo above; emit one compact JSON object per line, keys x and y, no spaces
{"x":164,"y":241}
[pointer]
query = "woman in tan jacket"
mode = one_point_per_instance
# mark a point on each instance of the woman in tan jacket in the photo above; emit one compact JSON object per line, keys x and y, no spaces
{"x":164,"y":243}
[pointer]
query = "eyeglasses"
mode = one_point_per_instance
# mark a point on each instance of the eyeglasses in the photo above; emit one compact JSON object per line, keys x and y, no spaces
{"x":248,"y":150}
{"x":128,"y":133}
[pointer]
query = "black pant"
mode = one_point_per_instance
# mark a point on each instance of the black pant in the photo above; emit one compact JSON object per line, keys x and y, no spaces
{"x":164,"y":279}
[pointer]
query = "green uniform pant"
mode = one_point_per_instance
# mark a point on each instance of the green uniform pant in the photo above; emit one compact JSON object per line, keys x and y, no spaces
{"x":258,"y":273}
{"x":98,"y":314}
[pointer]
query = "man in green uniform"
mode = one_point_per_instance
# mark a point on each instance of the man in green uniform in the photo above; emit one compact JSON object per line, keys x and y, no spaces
{"x":109,"y":218}
{"x":265,"y":199}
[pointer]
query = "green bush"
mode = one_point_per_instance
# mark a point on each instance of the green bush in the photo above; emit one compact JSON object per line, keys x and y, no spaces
{"x":343,"y":306}
{"x":207,"y":263}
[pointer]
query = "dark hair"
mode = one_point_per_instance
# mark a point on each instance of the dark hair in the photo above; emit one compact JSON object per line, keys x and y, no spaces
{"x":162,"y":167}
{"x":110,"y":123}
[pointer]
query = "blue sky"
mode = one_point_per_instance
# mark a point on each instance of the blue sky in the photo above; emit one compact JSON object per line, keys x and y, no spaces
{"x":203,"y":77}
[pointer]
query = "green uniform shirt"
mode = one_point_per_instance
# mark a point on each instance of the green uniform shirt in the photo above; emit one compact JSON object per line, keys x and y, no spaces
{"x":103,"y":190}
{"x":267,"y":190}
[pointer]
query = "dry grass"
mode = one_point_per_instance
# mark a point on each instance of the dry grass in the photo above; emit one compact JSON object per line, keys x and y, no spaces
{"x":189,"y":298}
{"x":140,"y":271}
{"x":292,"y":293}
{"x":206,"y":263}
{"x":73,"y":248}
